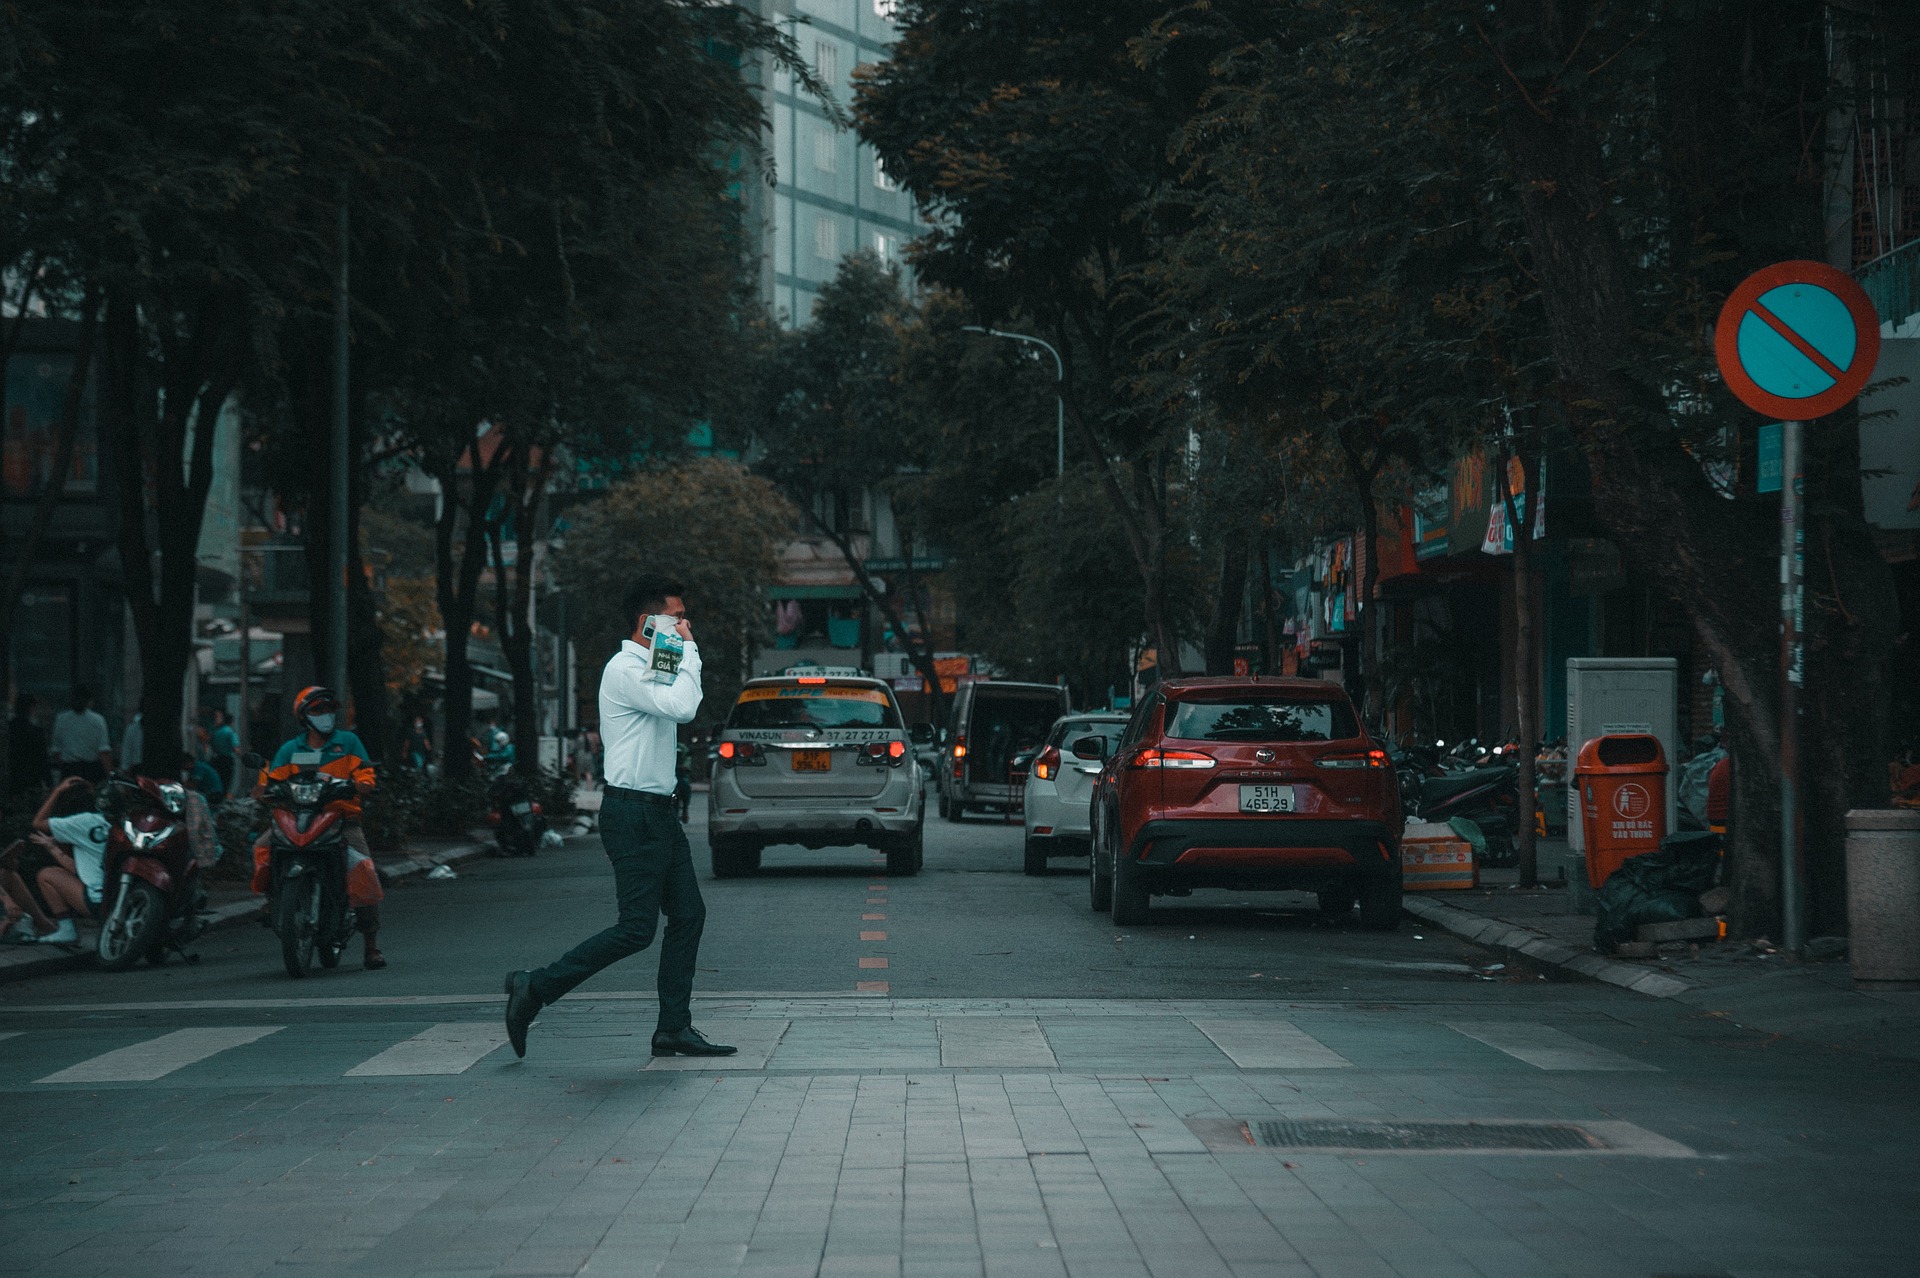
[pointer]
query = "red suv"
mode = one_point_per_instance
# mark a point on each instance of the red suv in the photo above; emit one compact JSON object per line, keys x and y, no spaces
{"x":1248,"y":784}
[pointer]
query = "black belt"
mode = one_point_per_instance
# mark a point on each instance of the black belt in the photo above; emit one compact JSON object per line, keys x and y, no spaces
{"x":645,"y":796}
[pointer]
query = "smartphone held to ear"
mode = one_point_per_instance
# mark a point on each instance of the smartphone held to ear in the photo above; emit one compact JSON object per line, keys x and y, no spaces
{"x":662,"y":635}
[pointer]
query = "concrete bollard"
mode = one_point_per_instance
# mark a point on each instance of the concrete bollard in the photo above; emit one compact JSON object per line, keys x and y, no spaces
{"x":1883,"y":897}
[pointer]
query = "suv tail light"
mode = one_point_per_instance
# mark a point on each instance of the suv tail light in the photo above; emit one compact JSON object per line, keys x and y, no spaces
{"x":1370,"y":759}
{"x":1047,"y":766}
{"x":742,"y":754}
{"x":1156,"y":758}
{"x":882,"y":754}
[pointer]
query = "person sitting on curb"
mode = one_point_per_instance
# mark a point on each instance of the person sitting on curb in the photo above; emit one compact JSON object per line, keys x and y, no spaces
{"x":342,"y":755}
{"x":59,"y":872}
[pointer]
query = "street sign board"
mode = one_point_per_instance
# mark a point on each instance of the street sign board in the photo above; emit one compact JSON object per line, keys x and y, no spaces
{"x":1797,"y":340}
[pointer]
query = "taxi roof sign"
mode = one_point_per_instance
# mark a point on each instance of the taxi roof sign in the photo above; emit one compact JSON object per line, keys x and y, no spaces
{"x":1797,"y":340}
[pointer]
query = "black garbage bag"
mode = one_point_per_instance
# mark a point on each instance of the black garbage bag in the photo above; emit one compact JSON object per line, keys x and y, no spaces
{"x":1660,"y":887}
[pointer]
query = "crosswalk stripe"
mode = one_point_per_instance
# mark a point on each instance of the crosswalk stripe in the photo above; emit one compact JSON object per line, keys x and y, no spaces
{"x":452,"y":1047}
{"x":1264,"y":1044}
{"x":1544,"y":1047}
{"x":12,"y":1034}
{"x":158,"y":1057}
{"x":993,"y":1041}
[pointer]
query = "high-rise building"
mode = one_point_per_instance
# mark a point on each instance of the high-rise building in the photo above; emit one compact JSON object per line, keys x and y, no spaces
{"x":829,"y":197}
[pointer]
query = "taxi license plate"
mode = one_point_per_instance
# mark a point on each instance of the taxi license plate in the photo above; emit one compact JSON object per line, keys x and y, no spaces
{"x":522,"y":809}
{"x":1266,"y":798}
{"x":813,"y":760}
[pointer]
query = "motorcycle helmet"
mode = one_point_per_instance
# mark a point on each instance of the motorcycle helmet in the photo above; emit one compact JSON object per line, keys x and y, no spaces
{"x":315,"y":700}
{"x":500,"y":739}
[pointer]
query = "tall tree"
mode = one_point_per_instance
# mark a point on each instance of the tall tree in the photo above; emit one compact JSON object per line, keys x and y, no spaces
{"x":1037,"y":142}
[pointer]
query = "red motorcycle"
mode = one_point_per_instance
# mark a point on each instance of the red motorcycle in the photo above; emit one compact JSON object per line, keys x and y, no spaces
{"x":307,"y":899}
{"x":155,"y":900}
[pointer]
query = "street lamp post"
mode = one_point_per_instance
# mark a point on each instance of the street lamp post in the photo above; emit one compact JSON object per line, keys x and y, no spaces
{"x":1059,"y":390}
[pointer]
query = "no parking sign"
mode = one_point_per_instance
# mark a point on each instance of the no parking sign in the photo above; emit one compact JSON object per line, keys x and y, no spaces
{"x":1797,"y":340}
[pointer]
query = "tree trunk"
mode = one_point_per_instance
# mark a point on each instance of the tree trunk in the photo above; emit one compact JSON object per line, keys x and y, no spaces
{"x":1708,"y":555}
{"x":366,"y":669}
{"x":1223,"y":626}
{"x":163,"y":449}
{"x":1526,"y":676}
{"x":456,"y":590}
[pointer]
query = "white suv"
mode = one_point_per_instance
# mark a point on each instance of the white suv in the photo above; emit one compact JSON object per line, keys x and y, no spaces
{"x":818,"y":760}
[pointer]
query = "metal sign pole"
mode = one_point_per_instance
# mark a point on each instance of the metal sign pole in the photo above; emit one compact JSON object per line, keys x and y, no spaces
{"x":1792,"y":677}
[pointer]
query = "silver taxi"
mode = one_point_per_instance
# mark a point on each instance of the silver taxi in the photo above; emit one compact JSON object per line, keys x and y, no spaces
{"x":822,"y":760}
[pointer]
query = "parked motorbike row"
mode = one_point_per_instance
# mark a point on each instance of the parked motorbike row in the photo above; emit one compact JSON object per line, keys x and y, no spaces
{"x":1471,"y":780}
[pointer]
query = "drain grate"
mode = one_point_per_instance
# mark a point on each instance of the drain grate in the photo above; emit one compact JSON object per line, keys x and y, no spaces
{"x":1308,"y":1134}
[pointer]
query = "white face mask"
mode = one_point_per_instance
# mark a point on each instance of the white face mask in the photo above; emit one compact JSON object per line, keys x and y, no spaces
{"x":321,"y":723}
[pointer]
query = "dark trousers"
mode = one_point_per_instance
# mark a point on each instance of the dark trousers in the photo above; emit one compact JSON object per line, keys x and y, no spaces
{"x":652,"y":875}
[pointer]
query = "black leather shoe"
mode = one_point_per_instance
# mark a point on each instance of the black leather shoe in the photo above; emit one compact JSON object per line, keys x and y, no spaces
{"x":522,"y":1006}
{"x":689,"y":1042}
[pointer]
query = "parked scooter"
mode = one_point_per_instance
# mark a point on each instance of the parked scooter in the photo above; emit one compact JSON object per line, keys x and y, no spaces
{"x":1471,"y":781}
{"x":307,"y":903}
{"x":519,"y":823}
{"x":153,"y":889}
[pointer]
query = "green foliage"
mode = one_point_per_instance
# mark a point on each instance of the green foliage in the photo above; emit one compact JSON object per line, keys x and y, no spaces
{"x":705,"y":521}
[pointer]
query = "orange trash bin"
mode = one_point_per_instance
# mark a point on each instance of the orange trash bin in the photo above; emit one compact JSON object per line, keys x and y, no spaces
{"x":1623,"y":799}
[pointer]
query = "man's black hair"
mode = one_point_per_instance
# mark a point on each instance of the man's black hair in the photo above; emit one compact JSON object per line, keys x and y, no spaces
{"x":82,"y":696}
{"x":647,"y":595}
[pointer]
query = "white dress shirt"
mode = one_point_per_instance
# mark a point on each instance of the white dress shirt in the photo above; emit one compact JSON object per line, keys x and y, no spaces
{"x":638,"y":716}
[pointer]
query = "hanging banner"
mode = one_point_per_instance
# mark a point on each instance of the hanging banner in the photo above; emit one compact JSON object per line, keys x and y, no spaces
{"x":1499,"y":538}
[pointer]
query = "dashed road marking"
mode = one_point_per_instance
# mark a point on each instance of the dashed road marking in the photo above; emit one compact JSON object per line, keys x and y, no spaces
{"x":870,"y":961}
{"x":994,"y":1041}
{"x":158,"y":1057}
{"x":873,"y":936}
{"x":1265,"y":1044}
{"x":1544,"y":1047}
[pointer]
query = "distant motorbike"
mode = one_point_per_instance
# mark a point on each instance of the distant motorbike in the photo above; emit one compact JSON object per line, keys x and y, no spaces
{"x":519,"y":823}
{"x":155,"y":897}
{"x":307,"y":904}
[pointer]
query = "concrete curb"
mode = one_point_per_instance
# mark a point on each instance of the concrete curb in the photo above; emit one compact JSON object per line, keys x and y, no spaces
{"x":21,"y":962}
{"x":1476,"y":927}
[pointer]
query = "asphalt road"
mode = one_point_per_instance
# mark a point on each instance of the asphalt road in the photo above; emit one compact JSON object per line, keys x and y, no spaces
{"x":964,"y":1071}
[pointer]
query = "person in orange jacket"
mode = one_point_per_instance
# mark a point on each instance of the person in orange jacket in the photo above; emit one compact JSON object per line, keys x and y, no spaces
{"x":342,"y":755}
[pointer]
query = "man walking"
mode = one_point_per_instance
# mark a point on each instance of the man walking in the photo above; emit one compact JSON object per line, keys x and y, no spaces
{"x":652,"y":864}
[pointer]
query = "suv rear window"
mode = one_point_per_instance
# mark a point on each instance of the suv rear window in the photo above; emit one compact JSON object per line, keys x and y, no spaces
{"x":813,"y":706}
{"x":1270,"y":718}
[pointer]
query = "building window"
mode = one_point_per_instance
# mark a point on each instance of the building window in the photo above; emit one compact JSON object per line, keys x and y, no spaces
{"x":881,"y":178}
{"x":826,"y":239}
{"x":884,"y":246}
{"x":886,"y":8}
{"x":826,"y":149}
{"x":826,"y":62}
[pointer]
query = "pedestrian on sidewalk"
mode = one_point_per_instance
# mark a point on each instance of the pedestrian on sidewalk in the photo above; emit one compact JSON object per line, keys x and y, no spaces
{"x":223,"y":748}
{"x":133,"y":741}
{"x":59,"y":871}
{"x":81,"y":746}
{"x":652,"y":862}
